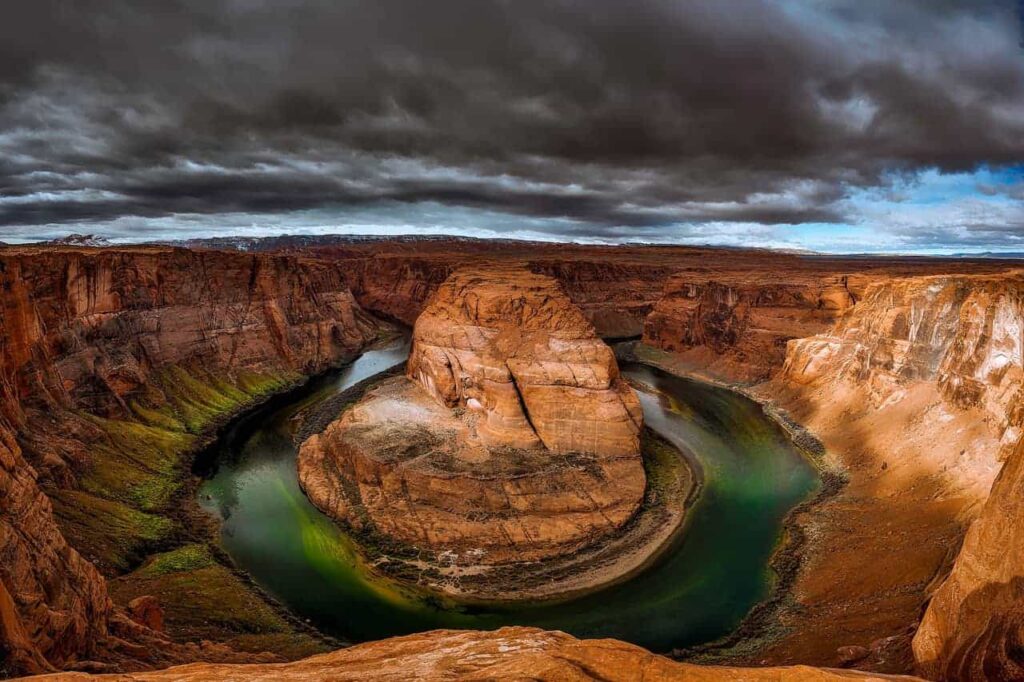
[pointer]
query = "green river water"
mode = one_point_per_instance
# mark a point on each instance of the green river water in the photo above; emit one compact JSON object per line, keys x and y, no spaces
{"x":697,"y":591}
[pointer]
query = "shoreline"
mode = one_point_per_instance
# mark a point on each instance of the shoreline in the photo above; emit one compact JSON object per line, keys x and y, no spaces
{"x":785,"y":561}
{"x":196,"y":526}
{"x":755,"y":631}
{"x":649,"y":533}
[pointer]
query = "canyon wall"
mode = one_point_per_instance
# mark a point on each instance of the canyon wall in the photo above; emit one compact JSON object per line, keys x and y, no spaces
{"x":53,"y":603}
{"x":112,"y":364}
{"x":614,"y":294}
{"x":729,"y":312}
{"x":915,"y":392}
{"x":738,"y":329}
{"x":974,"y":626}
{"x":945,"y":351}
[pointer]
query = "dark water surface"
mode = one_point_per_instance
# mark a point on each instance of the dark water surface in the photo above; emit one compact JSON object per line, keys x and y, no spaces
{"x":699,"y":590}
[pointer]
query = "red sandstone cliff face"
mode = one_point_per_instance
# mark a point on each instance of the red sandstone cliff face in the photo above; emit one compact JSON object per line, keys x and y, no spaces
{"x":53,"y":603}
{"x":739,"y":329}
{"x":614,"y":295}
{"x":87,"y":338}
{"x":914,"y":392}
{"x":974,"y":626}
{"x":953,"y":344}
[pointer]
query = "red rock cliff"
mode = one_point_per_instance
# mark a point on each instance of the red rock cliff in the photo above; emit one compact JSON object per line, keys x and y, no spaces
{"x":740,"y":328}
{"x":91,"y":340}
{"x":614,"y":295}
{"x":974,"y":626}
{"x":956,"y":339}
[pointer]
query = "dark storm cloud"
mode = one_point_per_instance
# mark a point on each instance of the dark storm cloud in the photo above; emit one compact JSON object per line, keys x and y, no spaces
{"x":615,"y":115}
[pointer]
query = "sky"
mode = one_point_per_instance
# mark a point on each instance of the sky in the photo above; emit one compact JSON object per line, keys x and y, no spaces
{"x":829,"y":125}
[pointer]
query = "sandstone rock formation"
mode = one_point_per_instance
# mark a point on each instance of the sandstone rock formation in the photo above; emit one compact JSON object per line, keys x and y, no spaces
{"x":615,"y":295}
{"x":146,"y":610}
{"x":112,"y":362}
{"x":506,"y":343}
{"x":740,"y":328}
{"x":915,"y":393}
{"x":506,"y":654}
{"x":974,"y":626}
{"x":513,"y":438}
{"x":949,"y":348}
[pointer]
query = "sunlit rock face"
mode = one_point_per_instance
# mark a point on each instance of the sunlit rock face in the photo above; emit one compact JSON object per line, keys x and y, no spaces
{"x":964,"y":334}
{"x":930,"y":372}
{"x":512,"y":437}
{"x":508,"y":344}
{"x":974,"y":626}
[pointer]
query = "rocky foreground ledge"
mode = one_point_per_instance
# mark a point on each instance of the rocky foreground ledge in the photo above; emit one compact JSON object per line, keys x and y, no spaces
{"x":506,"y":654}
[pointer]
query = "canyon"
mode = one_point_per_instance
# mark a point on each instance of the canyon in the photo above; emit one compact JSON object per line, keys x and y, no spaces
{"x":119,"y":363}
{"x":115,"y":366}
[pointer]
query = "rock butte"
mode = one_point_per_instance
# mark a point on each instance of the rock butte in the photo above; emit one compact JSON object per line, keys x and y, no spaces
{"x":511,"y":438}
{"x":117,"y":361}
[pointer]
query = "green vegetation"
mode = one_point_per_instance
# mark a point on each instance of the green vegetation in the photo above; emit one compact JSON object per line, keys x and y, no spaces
{"x":204,"y":600}
{"x":112,"y":535}
{"x":198,"y":402}
{"x":186,"y":558}
{"x":125,"y":509}
{"x":663,"y":465}
{"x":137,"y":466}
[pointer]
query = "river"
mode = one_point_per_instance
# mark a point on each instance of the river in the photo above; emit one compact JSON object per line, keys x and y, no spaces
{"x":697,"y":591}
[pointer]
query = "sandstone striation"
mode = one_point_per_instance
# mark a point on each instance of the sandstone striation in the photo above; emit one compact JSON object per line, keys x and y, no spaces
{"x":948,"y":349}
{"x":974,"y":626}
{"x":727,"y":313}
{"x":615,"y":295}
{"x":509,"y":345}
{"x":512,"y":437}
{"x":915,"y":393}
{"x":113,"y":363}
{"x":505,"y":654}
{"x":740,"y":328}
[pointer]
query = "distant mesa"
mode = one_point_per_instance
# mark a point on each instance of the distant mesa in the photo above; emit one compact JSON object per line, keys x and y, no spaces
{"x":511,"y":437}
{"x":87,"y":240}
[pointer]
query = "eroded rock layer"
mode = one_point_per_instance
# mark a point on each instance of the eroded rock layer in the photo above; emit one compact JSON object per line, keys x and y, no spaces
{"x":741,"y":327}
{"x":505,"y":654}
{"x":974,"y":626}
{"x":915,"y":392}
{"x":509,"y":345}
{"x":112,"y":364}
{"x":512,"y":437}
{"x":952,"y":344}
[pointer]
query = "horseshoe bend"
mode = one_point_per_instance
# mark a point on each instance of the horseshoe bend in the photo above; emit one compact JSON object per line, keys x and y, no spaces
{"x":511,"y":438}
{"x":384,"y":459}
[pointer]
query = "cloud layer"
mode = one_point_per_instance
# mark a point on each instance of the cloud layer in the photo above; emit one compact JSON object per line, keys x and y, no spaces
{"x":600,"y":119}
